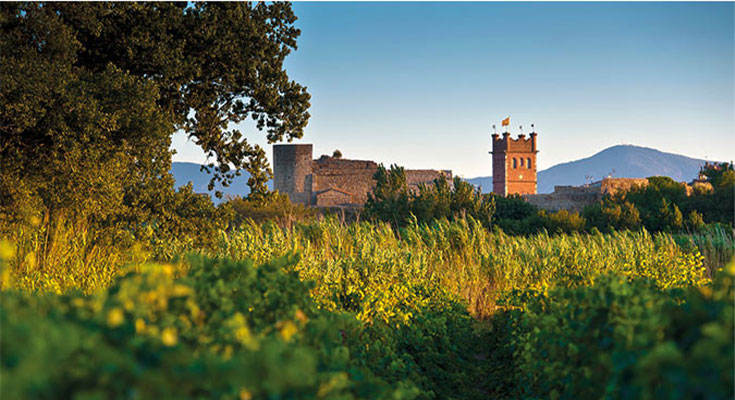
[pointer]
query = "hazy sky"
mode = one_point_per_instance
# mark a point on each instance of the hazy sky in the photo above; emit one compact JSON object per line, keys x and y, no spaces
{"x":421,"y":84}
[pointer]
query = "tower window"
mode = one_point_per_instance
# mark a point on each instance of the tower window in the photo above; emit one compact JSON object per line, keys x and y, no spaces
{"x":515,"y":163}
{"x":528,"y":162}
{"x":521,"y":162}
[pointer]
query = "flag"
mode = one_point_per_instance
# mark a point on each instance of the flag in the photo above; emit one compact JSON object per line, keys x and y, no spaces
{"x":506,"y":121}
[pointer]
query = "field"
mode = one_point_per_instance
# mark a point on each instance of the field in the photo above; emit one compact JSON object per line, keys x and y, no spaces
{"x":328,"y":310}
{"x":352,"y":281}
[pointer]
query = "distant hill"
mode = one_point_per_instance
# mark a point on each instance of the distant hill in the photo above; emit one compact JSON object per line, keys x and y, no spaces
{"x":185,"y":172}
{"x":623,"y":161}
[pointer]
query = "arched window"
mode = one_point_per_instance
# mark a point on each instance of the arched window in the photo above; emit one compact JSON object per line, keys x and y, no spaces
{"x":521,"y":162}
{"x":528,"y":162}
{"x":515,"y":163}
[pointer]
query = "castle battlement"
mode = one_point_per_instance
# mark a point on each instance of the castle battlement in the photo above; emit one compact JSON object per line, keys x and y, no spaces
{"x":520,"y":144}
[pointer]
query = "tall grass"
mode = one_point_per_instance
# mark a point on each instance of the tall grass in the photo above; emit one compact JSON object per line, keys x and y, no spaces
{"x":462,"y":257}
{"x":61,"y":256}
{"x":715,"y":243}
{"x":465,"y":258}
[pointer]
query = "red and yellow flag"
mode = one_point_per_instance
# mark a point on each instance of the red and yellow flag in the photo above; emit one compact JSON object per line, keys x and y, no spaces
{"x":506,"y":121}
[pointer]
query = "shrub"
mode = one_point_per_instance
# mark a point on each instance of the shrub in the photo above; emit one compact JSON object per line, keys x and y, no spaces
{"x":391,"y":201}
{"x":277,"y":208}
{"x":624,"y":338}
{"x":223,"y":330}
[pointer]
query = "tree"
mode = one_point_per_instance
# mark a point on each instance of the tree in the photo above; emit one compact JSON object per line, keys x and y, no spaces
{"x":389,"y":199}
{"x":92,"y":92}
{"x":392,"y":201}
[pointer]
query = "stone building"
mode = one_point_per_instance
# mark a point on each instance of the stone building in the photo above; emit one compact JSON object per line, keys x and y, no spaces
{"x":575,"y":198}
{"x":331,"y":181}
{"x":514,"y":164}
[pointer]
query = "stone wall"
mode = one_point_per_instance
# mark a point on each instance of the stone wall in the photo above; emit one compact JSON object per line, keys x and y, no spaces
{"x":565,"y":198}
{"x":352,"y":176}
{"x":575,"y":198}
{"x":416,"y":177}
{"x":333,"y":197}
{"x":330,"y":181}
{"x":612,"y":186}
{"x":291,"y":167}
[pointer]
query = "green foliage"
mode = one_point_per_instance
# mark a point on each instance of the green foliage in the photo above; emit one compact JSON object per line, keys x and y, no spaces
{"x":389,"y":200}
{"x":440,"y":200}
{"x":720,"y":175}
{"x":623,"y":338}
{"x":717,"y":205}
{"x":666,"y":205}
{"x":381,"y":315}
{"x":464,"y":258}
{"x":562,"y":221}
{"x":608,"y":216}
{"x":516,"y":216}
{"x":92,"y":92}
{"x":219,"y":328}
{"x":277,"y":208}
{"x":714,"y":242}
{"x":392,"y":201}
{"x":219,"y":331}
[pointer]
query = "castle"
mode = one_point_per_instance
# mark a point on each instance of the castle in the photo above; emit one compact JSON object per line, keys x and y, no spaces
{"x":514,"y":172}
{"x":332,"y":181}
{"x":514,"y":164}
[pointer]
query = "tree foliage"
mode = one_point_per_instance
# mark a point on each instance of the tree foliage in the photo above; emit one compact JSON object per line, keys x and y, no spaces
{"x":90,"y":94}
{"x":667,"y":205}
{"x":392,"y":201}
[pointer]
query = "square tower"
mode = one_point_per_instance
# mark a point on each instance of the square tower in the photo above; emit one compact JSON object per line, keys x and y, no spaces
{"x":514,"y":164}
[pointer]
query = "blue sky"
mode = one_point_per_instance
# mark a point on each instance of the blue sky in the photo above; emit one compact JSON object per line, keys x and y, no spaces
{"x":421,"y":84}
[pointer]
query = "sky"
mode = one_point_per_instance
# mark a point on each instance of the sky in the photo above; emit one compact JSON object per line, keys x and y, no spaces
{"x":421,"y":84}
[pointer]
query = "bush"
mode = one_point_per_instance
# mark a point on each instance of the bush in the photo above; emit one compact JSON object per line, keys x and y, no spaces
{"x":391,"y":201}
{"x":277,"y":208}
{"x":666,"y":205}
{"x":218,"y":328}
{"x":223,"y":330}
{"x":562,"y":221}
{"x":623,"y":338}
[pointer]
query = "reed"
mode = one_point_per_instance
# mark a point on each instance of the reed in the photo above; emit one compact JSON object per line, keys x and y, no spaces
{"x":461,"y":257}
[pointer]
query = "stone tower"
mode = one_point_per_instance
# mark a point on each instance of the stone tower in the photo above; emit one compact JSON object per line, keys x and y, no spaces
{"x":514,"y":164}
{"x":292,"y":171}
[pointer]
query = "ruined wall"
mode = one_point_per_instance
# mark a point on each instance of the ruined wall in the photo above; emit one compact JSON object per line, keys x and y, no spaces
{"x":333,"y":197}
{"x":571,"y":198}
{"x":612,"y":186}
{"x":416,"y":177}
{"x":330,"y":181}
{"x":575,"y":198}
{"x":352,"y":176}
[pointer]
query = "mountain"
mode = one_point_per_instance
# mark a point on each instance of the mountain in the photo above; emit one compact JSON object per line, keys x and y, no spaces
{"x":623,"y":161}
{"x":484,"y":182}
{"x":185,"y":172}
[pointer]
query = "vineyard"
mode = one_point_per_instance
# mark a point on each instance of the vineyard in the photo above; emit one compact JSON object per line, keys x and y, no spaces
{"x":119,"y":281}
{"x":328,"y":310}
